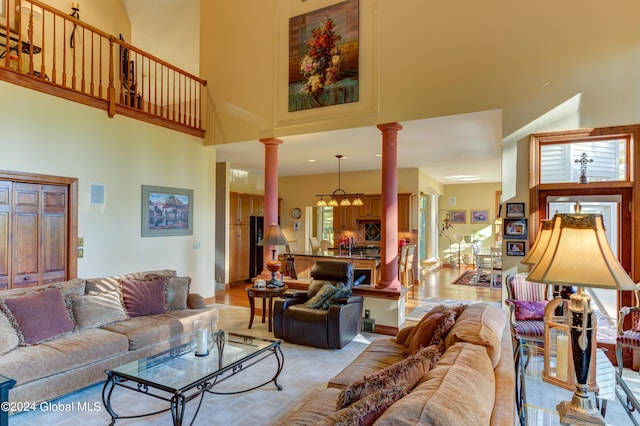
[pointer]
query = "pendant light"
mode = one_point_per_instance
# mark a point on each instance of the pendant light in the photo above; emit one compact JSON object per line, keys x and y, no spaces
{"x":340,"y":193}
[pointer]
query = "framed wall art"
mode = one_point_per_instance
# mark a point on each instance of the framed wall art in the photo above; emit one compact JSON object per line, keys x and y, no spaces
{"x":515,"y":229}
{"x":515,"y":248}
{"x":166,"y":211}
{"x":479,"y":216}
{"x":458,"y":216}
{"x":323,"y":57}
{"x":515,"y":209}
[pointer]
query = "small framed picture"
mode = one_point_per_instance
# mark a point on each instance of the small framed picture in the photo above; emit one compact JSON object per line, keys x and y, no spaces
{"x":479,"y":216}
{"x":515,"y":248}
{"x":458,"y":216}
{"x":515,"y":209}
{"x":515,"y":229}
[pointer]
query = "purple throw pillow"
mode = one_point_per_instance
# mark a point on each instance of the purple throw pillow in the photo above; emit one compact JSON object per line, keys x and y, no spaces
{"x":143,"y":297}
{"x":529,"y":310}
{"x":40,"y":315}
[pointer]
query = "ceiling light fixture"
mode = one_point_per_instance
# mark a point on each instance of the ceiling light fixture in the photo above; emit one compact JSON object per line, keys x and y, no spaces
{"x":339,"y":193}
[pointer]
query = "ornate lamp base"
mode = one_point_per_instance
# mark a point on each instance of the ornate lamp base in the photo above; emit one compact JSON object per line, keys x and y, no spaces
{"x":580,"y":411}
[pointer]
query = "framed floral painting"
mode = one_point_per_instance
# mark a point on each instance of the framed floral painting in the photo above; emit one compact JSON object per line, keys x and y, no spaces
{"x":166,"y":211}
{"x":323,"y":56}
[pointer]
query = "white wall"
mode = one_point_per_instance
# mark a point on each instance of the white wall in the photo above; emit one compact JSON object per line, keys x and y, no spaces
{"x":45,"y":134}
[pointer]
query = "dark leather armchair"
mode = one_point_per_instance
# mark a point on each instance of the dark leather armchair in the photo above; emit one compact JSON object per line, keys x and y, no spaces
{"x":332,"y":328}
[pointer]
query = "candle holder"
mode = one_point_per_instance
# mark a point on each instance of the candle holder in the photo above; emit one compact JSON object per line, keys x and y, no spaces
{"x":202,"y":337}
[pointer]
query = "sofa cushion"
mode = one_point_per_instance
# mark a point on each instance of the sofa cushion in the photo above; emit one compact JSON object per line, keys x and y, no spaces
{"x":366,"y":410}
{"x":96,"y":311}
{"x":480,"y":324}
{"x":148,"y":330}
{"x":39,"y":316}
{"x":9,"y":339}
{"x":408,"y":372}
{"x":321,"y":405}
{"x":458,"y":390}
{"x":64,"y":353}
{"x":381,"y":353}
{"x":433,"y":330}
{"x":176,"y":292}
{"x":143,"y":297}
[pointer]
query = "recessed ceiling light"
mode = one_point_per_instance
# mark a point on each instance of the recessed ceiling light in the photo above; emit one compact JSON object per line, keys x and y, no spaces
{"x":378,"y":155}
{"x":462,"y":178}
{"x":311,"y":161}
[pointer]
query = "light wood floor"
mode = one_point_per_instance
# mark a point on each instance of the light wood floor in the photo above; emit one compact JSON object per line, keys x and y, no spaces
{"x":432,"y":284}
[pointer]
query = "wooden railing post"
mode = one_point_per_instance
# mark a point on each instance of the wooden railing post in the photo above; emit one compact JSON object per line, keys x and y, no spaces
{"x":111,"y":89}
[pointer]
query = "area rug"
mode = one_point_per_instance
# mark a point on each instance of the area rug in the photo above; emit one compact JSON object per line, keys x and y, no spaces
{"x":263,"y":406}
{"x":470,"y":278}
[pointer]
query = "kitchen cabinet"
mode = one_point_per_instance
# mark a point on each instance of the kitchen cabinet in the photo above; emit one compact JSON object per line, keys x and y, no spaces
{"x":241,"y":208}
{"x":404,"y":212}
{"x":368,"y":267}
{"x":345,"y":218}
{"x":372,"y":208}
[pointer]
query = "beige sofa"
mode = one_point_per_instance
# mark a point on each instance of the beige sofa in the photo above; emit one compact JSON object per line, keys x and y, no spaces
{"x":104,"y":335}
{"x":472,"y":383}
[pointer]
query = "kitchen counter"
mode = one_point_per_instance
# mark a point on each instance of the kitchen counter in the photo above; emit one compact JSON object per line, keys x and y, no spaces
{"x":367,"y":265}
{"x":336,"y":254}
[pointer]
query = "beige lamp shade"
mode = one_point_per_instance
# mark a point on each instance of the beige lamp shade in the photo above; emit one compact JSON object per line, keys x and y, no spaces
{"x":273,"y":237}
{"x":578,"y":254}
{"x":540,"y":244}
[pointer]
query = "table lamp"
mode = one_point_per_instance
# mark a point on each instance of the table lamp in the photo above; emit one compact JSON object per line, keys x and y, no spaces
{"x":273,"y":237}
{"x":578,"y":254}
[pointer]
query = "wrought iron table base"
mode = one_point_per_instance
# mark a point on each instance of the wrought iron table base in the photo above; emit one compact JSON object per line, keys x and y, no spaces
{"x":178,"y":401}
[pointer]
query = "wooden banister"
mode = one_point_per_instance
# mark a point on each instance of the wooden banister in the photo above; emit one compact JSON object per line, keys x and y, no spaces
{"x":62,"y":55}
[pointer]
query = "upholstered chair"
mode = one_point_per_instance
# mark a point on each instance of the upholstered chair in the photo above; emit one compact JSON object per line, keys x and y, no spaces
{"x":629,"y":338}
{"x":298,"y":319}
{"x":526,"y":301}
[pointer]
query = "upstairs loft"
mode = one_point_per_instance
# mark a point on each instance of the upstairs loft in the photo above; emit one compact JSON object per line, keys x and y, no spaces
{"x":48,"y":50}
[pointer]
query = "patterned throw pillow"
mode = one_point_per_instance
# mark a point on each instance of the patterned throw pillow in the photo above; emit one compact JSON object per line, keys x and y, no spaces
{"x":408,"y":372}
{"x":528,"y":310}
{"x":340,"y":290}
{"x":177,"y":291}
{"x":38,"y":316}
{"x":318,"y":299}
{"x":366,"y":410}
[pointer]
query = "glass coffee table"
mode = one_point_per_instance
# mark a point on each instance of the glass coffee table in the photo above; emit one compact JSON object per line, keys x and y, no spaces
{"x":179,"y":376}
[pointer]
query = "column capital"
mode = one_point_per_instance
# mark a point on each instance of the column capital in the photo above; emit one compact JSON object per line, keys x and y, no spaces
{"x":389,"y":126}
{"x":271,"y":141}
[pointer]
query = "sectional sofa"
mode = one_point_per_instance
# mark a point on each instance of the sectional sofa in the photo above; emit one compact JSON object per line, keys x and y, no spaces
{"x":465,"y":376}
{"x":58,"y":338}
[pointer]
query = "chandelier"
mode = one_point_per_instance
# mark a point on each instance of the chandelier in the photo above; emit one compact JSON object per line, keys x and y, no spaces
{"x":339,"y":193}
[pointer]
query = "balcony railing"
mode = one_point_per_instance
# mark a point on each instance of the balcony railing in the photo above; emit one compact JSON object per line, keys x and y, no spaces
{"x":51,"y":51}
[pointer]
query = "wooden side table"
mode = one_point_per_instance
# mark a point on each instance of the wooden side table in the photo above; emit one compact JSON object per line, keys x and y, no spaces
{"x":267,"y":294}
